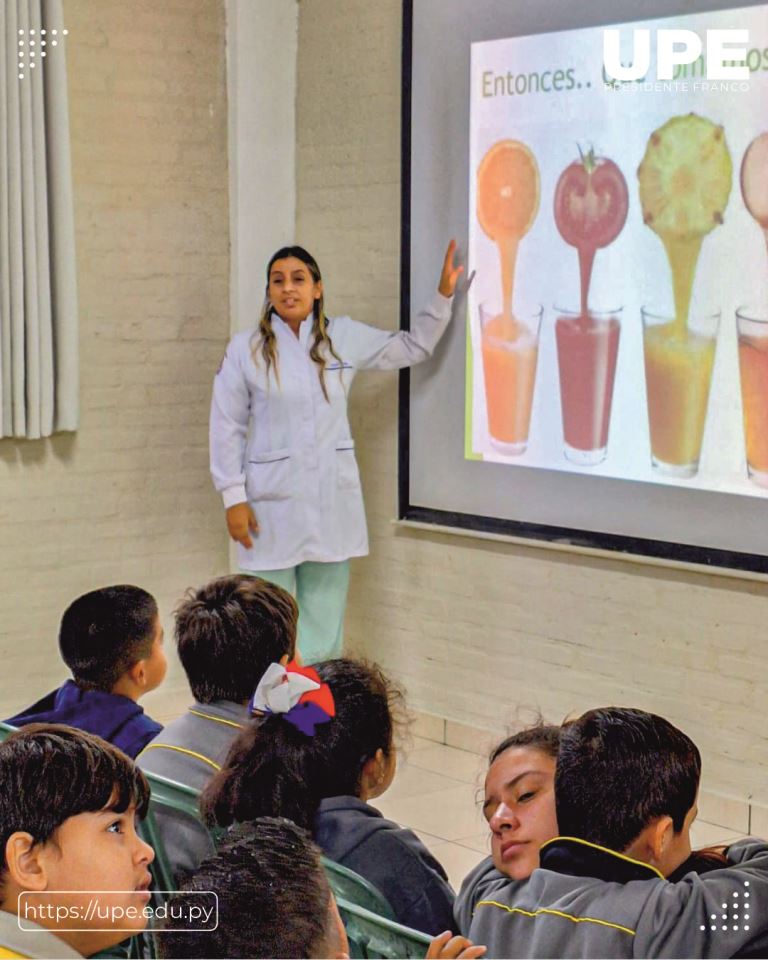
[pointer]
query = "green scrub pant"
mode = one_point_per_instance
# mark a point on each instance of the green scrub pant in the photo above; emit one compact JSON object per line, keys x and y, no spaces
{"x":320,"y":590}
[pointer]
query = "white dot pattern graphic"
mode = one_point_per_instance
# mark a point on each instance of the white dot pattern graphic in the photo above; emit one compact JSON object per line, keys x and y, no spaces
{"x":31,"y":43}
{"x":736,"y":906}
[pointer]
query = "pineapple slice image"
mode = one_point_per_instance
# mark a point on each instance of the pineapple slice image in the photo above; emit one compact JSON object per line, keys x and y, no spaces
{"x":685,"y":177}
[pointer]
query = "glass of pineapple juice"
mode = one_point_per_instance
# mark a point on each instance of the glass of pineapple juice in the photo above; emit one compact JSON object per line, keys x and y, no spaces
{"x":678,"y":373}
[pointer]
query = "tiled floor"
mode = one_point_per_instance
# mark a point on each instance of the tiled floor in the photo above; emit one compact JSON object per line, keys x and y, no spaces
{"x":435,"y":793}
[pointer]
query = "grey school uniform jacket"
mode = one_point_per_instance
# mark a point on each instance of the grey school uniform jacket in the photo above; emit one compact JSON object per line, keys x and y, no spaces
{"x":191,"y":750}
{"x":586,"y":901}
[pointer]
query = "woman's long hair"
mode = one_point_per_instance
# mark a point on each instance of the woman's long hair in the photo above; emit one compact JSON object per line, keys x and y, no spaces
{"x":319,"y":321}
{"x":274,"y":770}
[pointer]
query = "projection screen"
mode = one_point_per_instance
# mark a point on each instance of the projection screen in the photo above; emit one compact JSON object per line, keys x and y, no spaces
{"x":604,"y":380}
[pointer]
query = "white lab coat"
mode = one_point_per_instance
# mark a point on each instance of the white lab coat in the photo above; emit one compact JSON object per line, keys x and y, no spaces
{"x":287,"y":451}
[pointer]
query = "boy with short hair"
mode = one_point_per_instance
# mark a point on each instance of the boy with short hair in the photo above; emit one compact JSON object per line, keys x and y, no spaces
{"x":227,"y":634}
{"x":273,"y":900}
{"x":68,"y":806}
{"x":112,"y":641}
{"x":625,"y":791}
{"x":253,"y":863}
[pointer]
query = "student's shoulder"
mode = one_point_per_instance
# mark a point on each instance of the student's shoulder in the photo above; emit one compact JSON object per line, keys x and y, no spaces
{"x":180,"y":736}
{"x":480,"y":879}
{"x":139,"y":731}
{"x":483,"y":881}
{"x":401,"y":844}
{"x":672,"y":914}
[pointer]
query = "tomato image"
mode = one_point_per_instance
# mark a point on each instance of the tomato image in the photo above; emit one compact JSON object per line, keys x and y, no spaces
{"x":591,"y":202}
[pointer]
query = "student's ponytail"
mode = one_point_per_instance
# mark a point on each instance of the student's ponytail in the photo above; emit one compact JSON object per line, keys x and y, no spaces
{"x":269,"y":772}
{"x":275,"y":770}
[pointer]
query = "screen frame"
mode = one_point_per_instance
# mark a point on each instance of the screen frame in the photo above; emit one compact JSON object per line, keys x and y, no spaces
{"x":660,"y":550}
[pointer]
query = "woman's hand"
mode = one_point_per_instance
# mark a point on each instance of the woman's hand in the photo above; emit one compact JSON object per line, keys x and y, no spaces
{"x":448,"y":947}
{"x":450,"y":274}
{"x":241,"y":522}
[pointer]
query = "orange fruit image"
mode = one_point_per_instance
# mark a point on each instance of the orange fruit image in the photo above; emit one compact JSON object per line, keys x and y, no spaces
{"x":508,"y":190}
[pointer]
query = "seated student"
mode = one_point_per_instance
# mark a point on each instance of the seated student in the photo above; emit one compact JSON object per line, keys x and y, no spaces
{"x":625,"y":792}
{"x":254,"y":861}
{"x":227,"y":634}
{"x":519,"y":805}
{"x":68,"y":807}
{"x":112,"y":641}
{"x":322,"y":775}
{"x":519,"y":798}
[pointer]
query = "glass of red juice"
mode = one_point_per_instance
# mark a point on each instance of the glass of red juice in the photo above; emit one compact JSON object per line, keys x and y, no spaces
{"x":587,"y":347}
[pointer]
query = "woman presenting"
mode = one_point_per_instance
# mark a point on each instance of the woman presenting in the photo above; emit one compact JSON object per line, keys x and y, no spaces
{"x":282,"y":455}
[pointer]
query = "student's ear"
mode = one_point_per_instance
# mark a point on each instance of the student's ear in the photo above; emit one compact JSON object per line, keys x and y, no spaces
{"x":373,"y":768}
{"x":138,"y":673}
{"x":318,"y":289}
{"x":25,"y":862}
{"x":652,"y":842}
{"x":663,"y":831}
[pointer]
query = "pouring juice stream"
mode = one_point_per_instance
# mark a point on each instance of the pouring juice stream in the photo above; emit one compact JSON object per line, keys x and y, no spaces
{"x":591,"y":205}
{"x":507,"y":203}
{"x":685,"y":181}
{"x":752,"y":323}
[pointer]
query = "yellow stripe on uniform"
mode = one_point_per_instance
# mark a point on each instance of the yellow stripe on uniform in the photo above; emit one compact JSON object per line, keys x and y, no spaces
{"x":207,"y":716}
{"x":189,"y":753}
{"x":613,"y":853}
{"x":555,"y":913}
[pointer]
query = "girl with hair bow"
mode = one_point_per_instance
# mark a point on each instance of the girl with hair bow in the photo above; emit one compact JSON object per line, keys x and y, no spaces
{"x":320,"y":747}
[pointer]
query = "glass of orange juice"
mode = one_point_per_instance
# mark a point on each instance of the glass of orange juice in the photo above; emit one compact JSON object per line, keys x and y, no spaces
{"x":510,"y":346}
{"x":752,"y":329}
{"x":678,"y":372}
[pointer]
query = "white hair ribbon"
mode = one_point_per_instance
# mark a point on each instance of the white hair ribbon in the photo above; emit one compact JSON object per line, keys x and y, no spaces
{"x":278,"y":690}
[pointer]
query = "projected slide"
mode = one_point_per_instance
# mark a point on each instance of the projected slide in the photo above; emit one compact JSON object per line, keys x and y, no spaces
{"x":617,"y":325}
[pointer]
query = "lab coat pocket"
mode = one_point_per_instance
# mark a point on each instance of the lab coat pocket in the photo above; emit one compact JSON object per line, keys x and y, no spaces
{"x":270,"y":475}
{"x":347,"y":474}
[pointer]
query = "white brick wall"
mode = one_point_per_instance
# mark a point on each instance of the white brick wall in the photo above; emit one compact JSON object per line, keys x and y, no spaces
{"x":128,"y":497}
{"x":477,"y":629}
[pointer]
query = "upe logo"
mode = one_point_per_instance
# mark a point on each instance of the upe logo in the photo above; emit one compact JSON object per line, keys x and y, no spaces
{"x":676,"y":48}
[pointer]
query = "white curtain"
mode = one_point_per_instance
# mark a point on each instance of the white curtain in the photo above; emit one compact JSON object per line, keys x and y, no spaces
{"x":38,"y":292}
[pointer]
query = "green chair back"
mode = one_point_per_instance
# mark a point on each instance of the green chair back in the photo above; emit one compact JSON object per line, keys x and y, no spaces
{"x":370,"y":935}
{"x":166,"y":795}
{"x":368,"y":917}
{"x":353,"y":888}
{"x":170,"y":795}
